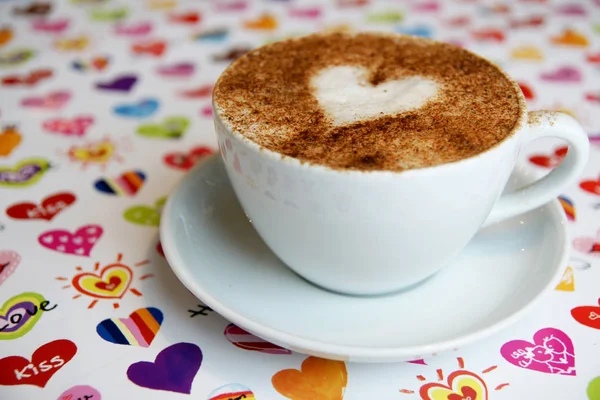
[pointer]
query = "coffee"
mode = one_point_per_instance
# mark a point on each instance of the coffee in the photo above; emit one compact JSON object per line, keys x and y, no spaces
{"x":368,"y":101}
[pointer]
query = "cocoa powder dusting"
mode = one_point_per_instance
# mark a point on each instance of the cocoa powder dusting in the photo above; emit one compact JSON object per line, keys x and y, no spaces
{"x":266,"y":96}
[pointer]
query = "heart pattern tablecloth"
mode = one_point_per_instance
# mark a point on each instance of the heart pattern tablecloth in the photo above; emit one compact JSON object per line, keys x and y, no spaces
{"x":104,"y":106}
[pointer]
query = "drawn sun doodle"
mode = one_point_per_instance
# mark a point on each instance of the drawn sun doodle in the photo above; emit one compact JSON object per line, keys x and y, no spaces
{"x":99,"y":152}
{"x":460,"y":385}
{"x":111,"y":281}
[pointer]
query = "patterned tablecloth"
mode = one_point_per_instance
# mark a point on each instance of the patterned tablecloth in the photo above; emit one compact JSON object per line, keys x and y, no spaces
{"x":104,"y":105}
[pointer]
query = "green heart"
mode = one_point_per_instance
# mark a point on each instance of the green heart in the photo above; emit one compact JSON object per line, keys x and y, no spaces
{"x":170,"y":128}
{"x":28,"y":297}
{"x":25,"y":173}
{"x":109,"y":15}
{"x":593,"y":389}
{"x":15,"y":57}
{"x":145,"y":215}
{"x":390,"y":17}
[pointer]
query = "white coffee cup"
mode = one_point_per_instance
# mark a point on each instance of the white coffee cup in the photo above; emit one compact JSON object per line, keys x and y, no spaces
{"x":373,"y":232}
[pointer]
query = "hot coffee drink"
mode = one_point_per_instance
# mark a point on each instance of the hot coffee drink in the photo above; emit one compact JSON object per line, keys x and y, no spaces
{"x":368,"y":101}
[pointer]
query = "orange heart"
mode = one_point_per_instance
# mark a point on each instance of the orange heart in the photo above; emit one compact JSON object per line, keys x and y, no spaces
{"x":317,"y":379}
{"x":462,"y":385}
{"x":6,"y":34}
{"x":264,"y":22}
{"x":112,"y":283}
{"x":9,"y":139}
{"x":570,"y":37}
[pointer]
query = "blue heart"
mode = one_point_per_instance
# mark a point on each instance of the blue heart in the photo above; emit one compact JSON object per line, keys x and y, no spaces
{"x":419,"y":30}
{"x":144,"y":108}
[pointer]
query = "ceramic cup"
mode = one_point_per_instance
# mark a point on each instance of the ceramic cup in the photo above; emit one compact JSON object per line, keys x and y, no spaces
{"x":373,"y":232}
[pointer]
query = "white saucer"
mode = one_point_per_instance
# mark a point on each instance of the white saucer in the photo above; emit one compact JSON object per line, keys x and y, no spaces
{"x":219,"y":257}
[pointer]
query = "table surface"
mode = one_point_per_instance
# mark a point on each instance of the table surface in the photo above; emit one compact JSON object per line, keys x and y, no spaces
{"x":104,"y":106}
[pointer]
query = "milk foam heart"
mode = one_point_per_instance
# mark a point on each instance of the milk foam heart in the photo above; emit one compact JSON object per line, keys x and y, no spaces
{"x":346,"y":95}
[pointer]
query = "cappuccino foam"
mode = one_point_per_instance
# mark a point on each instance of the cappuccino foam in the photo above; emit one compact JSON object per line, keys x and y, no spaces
{"x":368,"y":101}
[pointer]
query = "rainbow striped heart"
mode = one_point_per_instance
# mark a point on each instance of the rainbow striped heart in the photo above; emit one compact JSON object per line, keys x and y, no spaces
{"x":138,"y":330}
{"x":127,"y":184}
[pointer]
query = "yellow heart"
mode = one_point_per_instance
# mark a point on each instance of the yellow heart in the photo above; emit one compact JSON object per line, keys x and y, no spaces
{"x":317,"y":379}
{"x":72,"y":44}
{"x":462,"y":385}
{"x":112,"y":283}
{"x":527,"y":53}
{"x":567,"y":282}
{"x":99,"y":152}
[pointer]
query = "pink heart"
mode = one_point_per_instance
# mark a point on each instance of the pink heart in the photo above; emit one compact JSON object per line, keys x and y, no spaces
{"x":311,"y":12}
{"x":53,"y":100}
{"x":551,"y":352}
{"x":206,"y":111}
{"x":79,"y":243}
{"x":234,"y":5}
{"x":80,"y":392}
{"x":588,"y":245}
{"x":55,"y":26}
{"x":183,"y":69}
{"x":428,"y":6}
{"x":69,"y":127}
{"x":135,"y":29}
{"x":8,"y":263}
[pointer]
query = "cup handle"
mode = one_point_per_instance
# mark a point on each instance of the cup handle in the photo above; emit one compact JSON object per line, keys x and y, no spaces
{"x":546,"y":124}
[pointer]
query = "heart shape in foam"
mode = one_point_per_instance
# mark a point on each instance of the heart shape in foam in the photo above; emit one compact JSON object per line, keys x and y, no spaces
{"x":112,"y":283}
{"x":317,"y":379}
{"x":347,"y":96}
{"x":461,"y":385}
{"x":551,"y":352}
{"x":79,"y":243}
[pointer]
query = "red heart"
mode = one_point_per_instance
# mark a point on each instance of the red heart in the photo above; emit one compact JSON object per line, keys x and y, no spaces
{"x":528,"y":22}
{"x":467,"y":392}
{"x":489,"y":34}
{"x":50,"y":207}
{"x":113,"y":282}
{"x":45,"y":362}
{"x":587,"y":315}
{"x":527,"y":91}
{"x":191,"y":17}
{"x":591,"y":186}
{"x":202,"y":91}
{"x":156,"y":47}
{"x":458,"y":22}
{"x":594,"y":58}
{"x":185,"y":161}
{"x":29,"y":79}
{"x":551,"y":161}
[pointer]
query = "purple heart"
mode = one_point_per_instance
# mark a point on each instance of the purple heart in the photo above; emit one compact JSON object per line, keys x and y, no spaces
{"x":174,"y":369}
{"x":179,"y":69}
{"x":123,"y":83}
{"x":25,"y":316}
{"x":563,"y":74}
